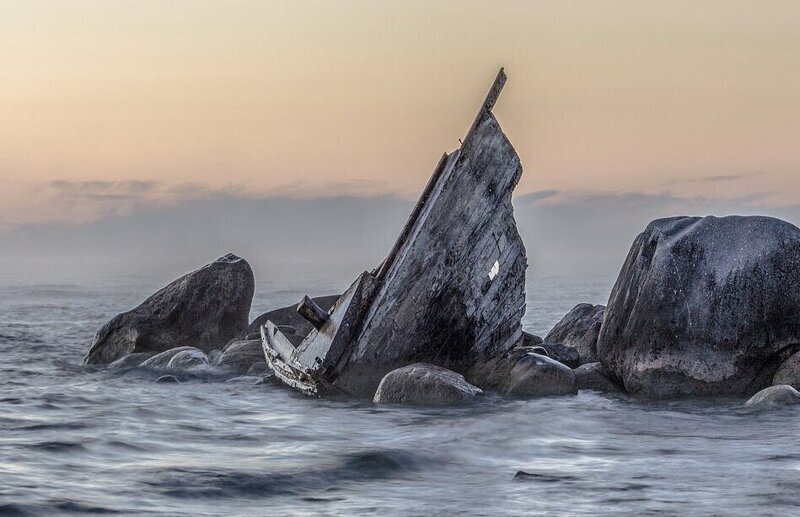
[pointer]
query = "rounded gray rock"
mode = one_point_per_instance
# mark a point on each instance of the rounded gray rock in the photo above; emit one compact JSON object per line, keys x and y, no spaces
{"x":240,"y":356}
{"x":591,"y":376}
{"x":131,"y":360}
{"x":260,"y":369}
{"x":424,"y":384}
{"x":204,"y":309}
{"x":789,"y":372}
{"x":161,"y":361}
{"x":774,"y":396}
{"x":579,"y":330}
{"x":245,"y":379}
{"x":704,"y":307}
{"x":535,"y":375}
{"x":214,"y":355}
{"x":188,"y":359}
{"x":563,"y":354}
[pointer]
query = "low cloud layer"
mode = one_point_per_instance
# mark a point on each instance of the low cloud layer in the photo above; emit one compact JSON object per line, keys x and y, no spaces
{"x":148,"y":226}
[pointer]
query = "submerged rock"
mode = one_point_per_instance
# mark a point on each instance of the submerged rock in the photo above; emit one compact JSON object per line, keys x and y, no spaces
{"x":214,"y":355}
{"x":529,"y":339}
{"x":579,"y":330}
{"x":245,"y":379}
{"x":204,"y":309}
{"x":188,"y":359}
{"x":704,"y":306}
{"x":260,"y":369}
{"x":789,"y":372}
{"x":161,"y":361}
{"x":536,"y":375}
{"x":774,"y":396}
{"x":168,"y":379}
{"x":523,"y":373}
{"x":424,"y":384}
{"x":131,"y":360}
{"x":241,"y":355}
{"x":592,"y":376}
{"x":563,"y":354}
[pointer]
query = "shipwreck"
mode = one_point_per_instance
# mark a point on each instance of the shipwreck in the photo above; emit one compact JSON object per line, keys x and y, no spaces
{"x":451,"y":292}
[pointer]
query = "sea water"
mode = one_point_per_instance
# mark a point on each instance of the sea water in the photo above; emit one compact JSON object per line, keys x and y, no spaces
{"x":77,"y":440}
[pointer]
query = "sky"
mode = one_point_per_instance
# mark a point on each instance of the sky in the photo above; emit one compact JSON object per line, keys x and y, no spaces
{"x":232,"y":112}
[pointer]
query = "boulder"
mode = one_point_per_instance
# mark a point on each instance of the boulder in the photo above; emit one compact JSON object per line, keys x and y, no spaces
{"x":245,"y":379}
{"x":562,"y":353}
{"x":591,"y":376}
{"x":424,"y":384}
{"x":523,"y":373}
{"x":214,"y":355}
{"x":579,"y":329}
{"x":774,"y":396}
{"x":161,"y":361}
{"x":168,"y":379}
{"x":536,"y":375}
{"x":204,"y":309}
{"x":788,"y":372}
{"x":294,"y":326}
{"x":131,"y":360}
{"x":241,"y":355}
{"x":529,"y":339}
{"x":704,"y":307}
{"x":188,"y":359}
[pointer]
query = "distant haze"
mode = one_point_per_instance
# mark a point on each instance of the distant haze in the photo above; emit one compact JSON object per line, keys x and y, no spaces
{"x":162,"y":134}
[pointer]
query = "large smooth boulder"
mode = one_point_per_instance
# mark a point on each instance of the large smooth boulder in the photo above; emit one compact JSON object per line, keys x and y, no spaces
{"x":188,"y":359}
{"x":788,"y":372}
{"x":522,"y":373}
{"x":161,"y":361}
{"x":536,"y":375}
{"x":424,"y":384}
{"x":131,"y":360}
{"x":203,"y":309}
{"x":242,"y":355}
{"x":591,"y":376}
{"x":579,"y":329}
{"x":704,"y":306}
{"x":562,"y":353}
{"x":773,"y":397}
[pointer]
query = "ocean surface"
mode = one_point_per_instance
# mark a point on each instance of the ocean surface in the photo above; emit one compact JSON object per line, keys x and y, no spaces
{"x":76,"y":440}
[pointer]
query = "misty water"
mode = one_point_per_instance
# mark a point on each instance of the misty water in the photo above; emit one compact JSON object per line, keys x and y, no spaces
{"x":76,"y":440}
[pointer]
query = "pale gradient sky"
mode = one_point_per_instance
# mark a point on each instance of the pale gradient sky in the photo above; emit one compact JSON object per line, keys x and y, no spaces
{"x":105,"y":104}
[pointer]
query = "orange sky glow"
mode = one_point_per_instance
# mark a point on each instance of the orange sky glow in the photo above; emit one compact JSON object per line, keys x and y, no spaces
{"x":318,"y":98}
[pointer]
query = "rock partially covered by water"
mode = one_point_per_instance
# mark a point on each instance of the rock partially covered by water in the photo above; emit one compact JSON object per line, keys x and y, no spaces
{"x":240,"y":356}
{"x":168,"y":379}
{"x":774,"y":396}
{"x":704,"y":306}
{"x":161,"y":361}
{"x":562,"y":353}
{"x":789,"y":372}
{"x":424,"y":384}
{"x":536,"y":375}
{"x":579,"y":329}
{"x":523,"y":373}
{"x":592,"y":376}
{"x":131,"y":360}
{"x":204,"y":309}
{"x":188,"y":359}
